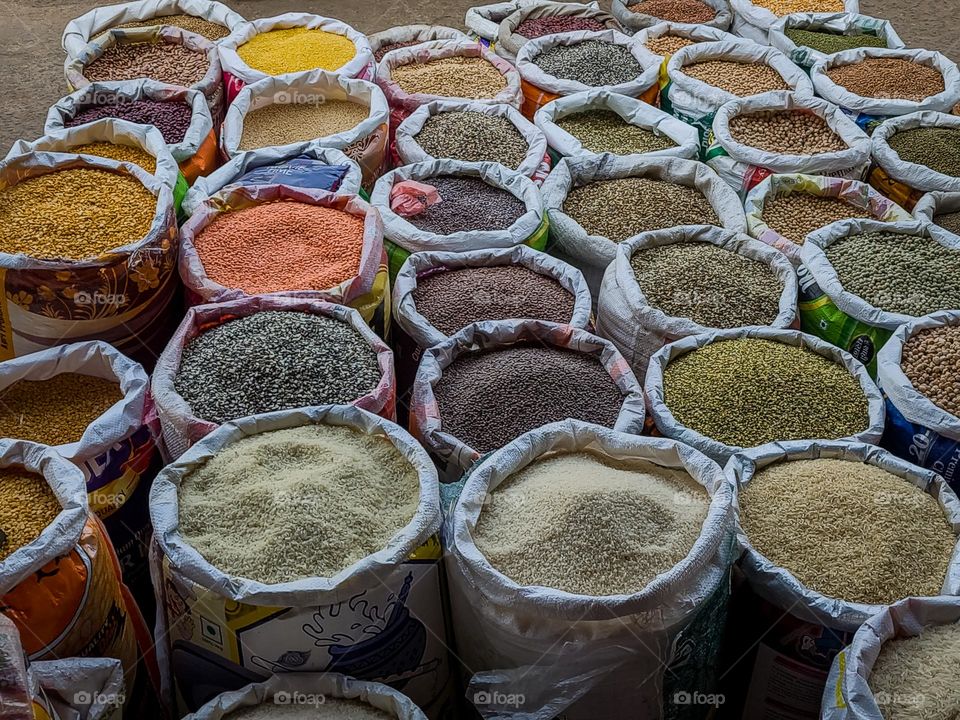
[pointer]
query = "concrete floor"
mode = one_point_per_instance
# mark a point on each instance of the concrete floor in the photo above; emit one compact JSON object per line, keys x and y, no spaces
{"x":31,"y":60}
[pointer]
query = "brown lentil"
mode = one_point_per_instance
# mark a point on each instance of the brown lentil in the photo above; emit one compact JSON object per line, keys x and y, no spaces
{"x":619,"y":209}
{"x":163,"y":61}
{"x":468,"y":203}
{"x":931,"y":362}
{"x":679,"y":11}
{"x":459,"y":76}
{"x":749,"y":391}
{"x":890,"y":78}
{"x":792,"y":132}
{"x":737,"y":78}
{"x":602,"y":131}
{"x":786,"y":7}
{"x":384,"y":49}
{"x":538,"y":27}
{"x":472,"y":137}
{"x":27,"y":507}
{"x":712,"y":286}
{"x":284,"y":123}
{"x":35,"y":410}
{"x":937,"y":148}
{"x":668,"y":44}
{"x":74,"y":214}
{"x":894,"y":541}
{"x":190,"y":23}
{"x":121,"y":153}
{"x":796,"y":215}
{"x":948,"y":221}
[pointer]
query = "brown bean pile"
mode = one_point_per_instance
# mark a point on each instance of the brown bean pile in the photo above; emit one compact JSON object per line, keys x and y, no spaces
{"x":166,"y":62}
{"x":931,"y":361}
{"x":888,"y":78}
{"x":190,"y":23}
{"x":793,"y":132}
{"x":680,"y":11}
{"x":737,"y":78}
{"x":668,"y":44}
{"x":798,"y":214}
{"x":459,"y":76}
{"x":27,"y":507}
{"x":948,"y":221}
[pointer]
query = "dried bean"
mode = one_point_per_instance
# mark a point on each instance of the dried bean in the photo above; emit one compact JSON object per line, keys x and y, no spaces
{"x":190,"y":23}
{"x":793,"y":132}
{"x":298,"y":49}
{"x":538,"y":27}
{"x":468,"y":203}
{"x":668,"y":44}
{"x":459,"y":76}
{"x":619,"y":209}
{"x":171,"y":118}
{"x":592,"y":62}
{"x":938,"y":148}
{"x":27,"y":507}
{"x":121,"y":153}
{"x":829,"y":43}
{"x":786,"y":7}
{"x":931,"y":361}
{"x":890,"y":78}
{"x":948,"y":221}
{"x":384,"y":49}
{"x":679,"y":11}
{"x":163,"y":61}
{"x":602,"y":131}
{"x":737,"y":78}
{"x":472,"y":137}
{"x":284,"y":123}
{"x":796,"y":215}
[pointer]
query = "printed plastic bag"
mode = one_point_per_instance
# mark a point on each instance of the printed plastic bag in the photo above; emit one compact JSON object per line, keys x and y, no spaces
{"x":366,"y":142}
{"x":696,"y":33}
{"x":743,"y":167}
{"x":639,"y":329}
{"x":182,"y":429}
{"x":591,"y":254}
{"x":236,"y":73}
{"x":869,"y":112}
{"x":537,"y":652}
{"x":509,"y":42}
{"x":838,"y":316}
{"x":292,"y":166}
{"x":452,"y":456}
{"x":917,"y":429}
{"x":754,"y":22}
{"x":902,"y":181}
{"x":636,"y":112}
{"x":848,"y":694}
{"x":539,"y":88}
{"x":403,"y":238}
{"x":934,"y":204}
{"x":833,"y":23}
{"x":635,"y":21}
{"x":668,"y":426}
{"x":859,"y":194}
{"x":695,"y":102}
{"x":80,"y":31}
{"x":788,"y":673}
{"x":535,"y":165}
{"x":196,"y":154}
{"x":380,"y":619}
{"x":414,"y":34}
{"x":310,"y":689}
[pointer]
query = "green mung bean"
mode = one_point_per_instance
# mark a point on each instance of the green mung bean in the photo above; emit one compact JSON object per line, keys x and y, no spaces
{"x":829,"y":43}
{"x":938,"y":148}
{"x":605,"y":131}
{"x":948,"y":221}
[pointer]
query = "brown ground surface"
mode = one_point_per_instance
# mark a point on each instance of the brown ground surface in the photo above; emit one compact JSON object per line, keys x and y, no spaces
{"x":31,"y":60}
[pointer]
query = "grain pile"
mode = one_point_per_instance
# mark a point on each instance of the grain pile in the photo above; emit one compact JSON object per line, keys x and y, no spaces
{"x":619,"y":209}
{"x":797,"y":214}
{"x":163,"y":61}
{"x":318,"y":248}
{"x":888,"y":78}
{"x":948,"y":221}
{"x":931,"y":362}
{"x":538,"y":27}
{"x":458,"y":76}
{"x":35,"y":410}
{"x":786,"y":7}
{"x":592,"y":62}
{"x":788,"y":132}
{"x":602,"y":131}
{"x":27,"y":507}
{"x":590,"y":525}
{"x":297,"y":503}
{"x":668,"y":44}
{"x":915,"y":678}
{"x":329,"y":709}
{"x":190,"y":23}
{"x":384,"y":49}
{"x":679,"y":11}
{"x":829,"y":43}
{"x":472,"y":136}
{"x":937,"y":148}
{"x":907,"y":274}
{"x":171,"y":118}
{"x":737,"y":78}
{"x":274,"y":360}
{"x":121,"y":153}
{"x":895,"y":542}
{"x":712,"y":286}
{"x":488,"y":398}
{"x":284,"y":123}
{"x":290,"y":50}
{"x":748,"y":391}
{"x":468,"y":203}
{"x":74,"y":214}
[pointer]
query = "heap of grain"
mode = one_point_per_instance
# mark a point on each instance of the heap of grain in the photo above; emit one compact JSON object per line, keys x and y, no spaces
{"x":27,"y":507}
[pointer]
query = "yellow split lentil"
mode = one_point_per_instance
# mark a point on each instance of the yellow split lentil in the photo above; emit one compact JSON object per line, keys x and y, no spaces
{"x":35,"y":409}
{"x":296,"y":49}
{"x":122,"y":153}
{"x":786,"y":7}
{"x":74,"y":214}
{"x":27,"y":506}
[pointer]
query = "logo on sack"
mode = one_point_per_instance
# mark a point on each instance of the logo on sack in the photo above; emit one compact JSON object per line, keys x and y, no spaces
{"x":683,"y":697}
{"x":83,"y":297}
{"x":286,"y":697}
{"x":498,"y":699}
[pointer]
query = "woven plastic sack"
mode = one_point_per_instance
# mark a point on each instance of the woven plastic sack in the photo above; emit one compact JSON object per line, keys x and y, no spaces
{"x":182,"y":429}
{"x":411,"y":34}
{"x":859,"y":194}
{"x":121,"y":297}
{"x":538,"y":653}
{"x":743,"y":167}
{"x":636,"y":112}
{"x":196,"y":154}
{"x":917,"y":429}
{"x":236,"y":73}
{"x":366,"y":142}
{"x":80,"y":31}
{"x":754,"y":22}
{"x":902,"y":181}
{"x":697,"y":33}
{"x":302,"y":688}
{"x":539,"y":88}
{"x":639,"y":329}
{"x":635,"y":21}
{"x":848,"y":694}
{"x":403,"y":238}
{"x":838,"y":316}
{"x":833,"y":23}
{"x":869,"y":112}
{"x":454,"y":457}
{"x":788,"y":673}
{"x":509,"y":42}
{"x":380,"y":618}
{"x":535,"y":165}
{"x":483,"y":21}
{"x":591,"y":254}
{"x":88,"y":688}
{"x":933,"y":204}
{"x":273,"y":161}
{"x":367,"y":291}
{"x":668,"y":426}
{"x":695,"y":102}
